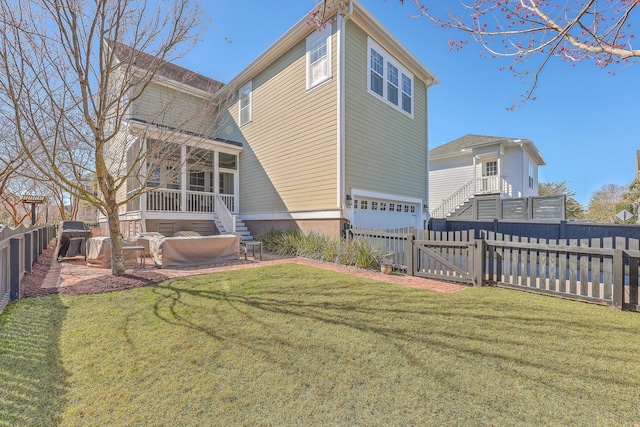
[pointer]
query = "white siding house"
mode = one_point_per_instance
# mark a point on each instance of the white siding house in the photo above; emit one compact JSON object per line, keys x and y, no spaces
{"x":480,"y":165}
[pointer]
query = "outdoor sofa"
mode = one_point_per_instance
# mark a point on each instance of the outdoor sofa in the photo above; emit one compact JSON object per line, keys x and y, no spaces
{"x":184,"y":251}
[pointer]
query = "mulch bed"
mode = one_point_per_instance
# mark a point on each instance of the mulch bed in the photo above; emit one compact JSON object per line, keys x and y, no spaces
{"x":31,"y":285}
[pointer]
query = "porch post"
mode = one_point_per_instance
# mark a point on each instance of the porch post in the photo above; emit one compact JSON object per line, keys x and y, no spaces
{"x":236,"y":188}
{"x":183,"y":181}
{"x":216,"y":172}
{"x":144,"y":171}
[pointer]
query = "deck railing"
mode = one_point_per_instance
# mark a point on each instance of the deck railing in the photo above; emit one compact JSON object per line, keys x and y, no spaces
{"x":199,"y":202}
{"x":481,"y":185}
{"x":164,"y":200}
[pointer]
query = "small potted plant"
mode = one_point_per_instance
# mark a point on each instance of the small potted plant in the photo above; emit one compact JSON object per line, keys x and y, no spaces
{"x":386,"y":264}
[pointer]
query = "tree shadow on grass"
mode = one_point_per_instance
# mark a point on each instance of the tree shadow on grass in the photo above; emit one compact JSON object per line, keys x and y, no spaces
{"x":476,"y":332}
{"x":32,"y":376}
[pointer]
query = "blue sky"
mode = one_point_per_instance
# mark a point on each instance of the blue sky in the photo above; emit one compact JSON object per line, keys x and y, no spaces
{"x":584,"y":121}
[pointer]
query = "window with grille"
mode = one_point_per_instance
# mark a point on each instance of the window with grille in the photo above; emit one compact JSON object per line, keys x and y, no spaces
{"x":388,"y":79}
{"x":245,"y":94}
{"x":318,"y":57}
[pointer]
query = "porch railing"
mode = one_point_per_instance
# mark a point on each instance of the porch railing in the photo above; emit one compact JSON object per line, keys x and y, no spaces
{"x":225,"y":216}
{"x":164,"y":200}
{"x":199,"y":202}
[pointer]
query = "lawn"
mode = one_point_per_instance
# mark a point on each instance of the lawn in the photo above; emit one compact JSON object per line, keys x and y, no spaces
{"x":291,"y":344}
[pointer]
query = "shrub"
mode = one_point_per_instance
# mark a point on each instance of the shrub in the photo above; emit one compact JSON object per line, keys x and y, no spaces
{"x":359,"y":253}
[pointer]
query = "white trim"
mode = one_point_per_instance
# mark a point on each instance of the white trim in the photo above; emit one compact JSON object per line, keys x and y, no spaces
{"x":176,"y":216}
{"x":376,"y":195}
{"x":402,"y":71}
{"x":154,"y":132}
{"x":247,"y":87}
{"x":333,"y":214}
{"x":133,"y":216}
{"x":314,"y":37}
{"x":340,"y":194}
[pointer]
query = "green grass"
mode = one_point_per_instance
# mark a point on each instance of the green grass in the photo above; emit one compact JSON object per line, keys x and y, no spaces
{"x":291,"y":344}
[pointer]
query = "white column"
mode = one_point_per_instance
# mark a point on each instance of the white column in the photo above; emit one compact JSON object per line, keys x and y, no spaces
{"x":216,"y":172}
{"x":183,"y":180}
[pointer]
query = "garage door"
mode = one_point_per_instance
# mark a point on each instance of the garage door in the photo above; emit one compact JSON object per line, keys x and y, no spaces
{"x":381,"y":213}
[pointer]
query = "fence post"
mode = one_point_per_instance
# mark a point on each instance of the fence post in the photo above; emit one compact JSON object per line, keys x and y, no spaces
{"x":618,"y":278}
{"x":28,"y":251}
{"x":45,"y":238}
{"x":478,"y":262}
{"x":36,"y":245}
{"x":563,"y":230}
{"x":408,"y":253}
{"x":14,"y":269}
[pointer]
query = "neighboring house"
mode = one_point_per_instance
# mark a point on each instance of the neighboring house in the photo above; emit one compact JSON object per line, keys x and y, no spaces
{"x":477,"y":165}
{"x":323,"y":129}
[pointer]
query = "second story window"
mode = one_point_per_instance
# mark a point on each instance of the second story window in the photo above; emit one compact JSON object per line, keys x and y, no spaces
{"x":319,"y":57}
{"x":389,"y":80}
{"x":406,"y":94}
{"x":491,"y":168}
{"x":392,"y":84}
{"x":377,"y":72}
{"x":245,"y":94}
{"x":530,"y":175}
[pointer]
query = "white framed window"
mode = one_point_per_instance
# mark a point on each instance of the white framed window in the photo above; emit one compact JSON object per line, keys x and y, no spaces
{"x":376,"y":77}
{"x":491,"y":168}
{"x":407,"y":98}
{"x":244,"y":104}
{"x":319,"y":57}
{"x":392,"y":83}
{"x":388,"y":79}
{"x":530,"y":175}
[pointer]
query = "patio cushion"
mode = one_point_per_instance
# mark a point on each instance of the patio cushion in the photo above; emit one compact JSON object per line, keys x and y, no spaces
{"x":143,"y":239}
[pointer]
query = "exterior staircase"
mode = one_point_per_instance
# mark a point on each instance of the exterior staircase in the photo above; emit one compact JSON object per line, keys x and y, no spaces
{"x":240,"y":228}
{"x":461,"y":200}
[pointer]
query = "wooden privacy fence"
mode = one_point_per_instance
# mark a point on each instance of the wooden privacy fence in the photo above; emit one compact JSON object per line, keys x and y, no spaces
{"x":596,"y":270}
{"x":603,"y":270}
{"x":19,"y":249}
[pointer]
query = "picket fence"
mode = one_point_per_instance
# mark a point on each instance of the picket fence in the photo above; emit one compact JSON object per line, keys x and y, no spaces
{"x":601,"y":270}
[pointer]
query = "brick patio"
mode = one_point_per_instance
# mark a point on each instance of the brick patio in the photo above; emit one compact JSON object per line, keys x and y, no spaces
{"x":74,"y":270}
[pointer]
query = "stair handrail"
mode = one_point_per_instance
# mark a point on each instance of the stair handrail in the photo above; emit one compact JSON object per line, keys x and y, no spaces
{"x":225,"y":216}
{"x":470,"y":188}
{"x":455,"y":200}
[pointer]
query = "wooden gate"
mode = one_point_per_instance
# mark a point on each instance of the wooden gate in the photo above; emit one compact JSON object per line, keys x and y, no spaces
{"x":446,"y":256}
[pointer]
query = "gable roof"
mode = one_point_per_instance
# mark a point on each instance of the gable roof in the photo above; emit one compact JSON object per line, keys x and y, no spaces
{"x":470,"y":141}
{"x":165,"y":69}
{"x":351,"y":9}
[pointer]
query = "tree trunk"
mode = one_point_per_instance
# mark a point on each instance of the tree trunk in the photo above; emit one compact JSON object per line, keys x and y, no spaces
{"x":117,"y":258}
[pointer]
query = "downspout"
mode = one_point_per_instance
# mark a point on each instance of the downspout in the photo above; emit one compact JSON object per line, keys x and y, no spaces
{"x":340,"y":70}
{"x":425,"y":208}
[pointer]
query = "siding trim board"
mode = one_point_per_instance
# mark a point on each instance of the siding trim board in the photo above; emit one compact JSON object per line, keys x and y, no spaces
{"x":330,"y":214}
